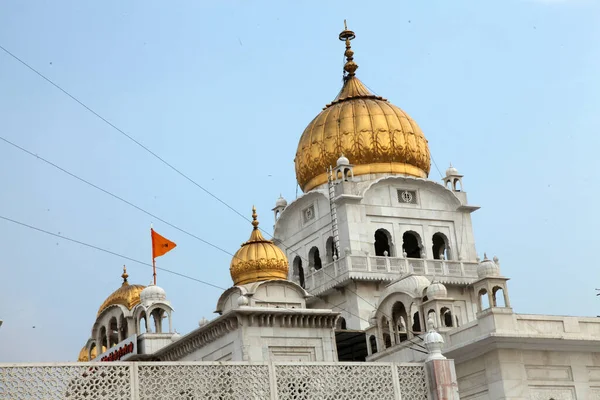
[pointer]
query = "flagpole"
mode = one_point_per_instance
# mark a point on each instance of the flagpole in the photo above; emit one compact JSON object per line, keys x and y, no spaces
{"x":154,"y":270}
{"x":153,"y":258}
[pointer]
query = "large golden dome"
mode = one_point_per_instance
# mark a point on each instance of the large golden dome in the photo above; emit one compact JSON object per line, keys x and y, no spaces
{"x":258,"y":259}
{"x":127,"y":295}
{"x":375,"y":135}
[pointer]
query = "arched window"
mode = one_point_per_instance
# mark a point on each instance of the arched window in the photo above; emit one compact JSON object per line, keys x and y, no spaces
{"x":385,"y":330}
{"x":93,"y":351}
{"x":142,"y":323}
{"x":416,"y":327}
{"x":441,"y":249}
{"x":484,"y":302}
{"x":387,"y":340}
{"x":411,"y":243}
{"x":298,"y":270}
{"x":447,"y":319}
{"x":457,"y":185}
{"x":330,"y":250}
{"x":124,"y":331}
{"x":373,"y":342}
{"x":157,"y":317}
{"x":103,"y":339}
{"x":113,"y":332}
{"x":383,"y":243}
{"x":431,"y":315}
{"x":498,"y":297}
{"x":341,"y":324}
{"x":399,"y":322}
{"x":314,"y":258}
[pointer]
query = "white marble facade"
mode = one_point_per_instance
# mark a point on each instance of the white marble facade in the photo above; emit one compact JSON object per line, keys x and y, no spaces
{"x":498,"y":354}
{"x":260,"y":321}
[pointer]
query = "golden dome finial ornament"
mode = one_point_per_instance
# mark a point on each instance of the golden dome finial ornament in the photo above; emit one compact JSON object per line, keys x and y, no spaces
{"x":258,"y":259}
{"x":378,"y":137}
{"x":124,"y":275}
{"x":254,"y":218}
{"x":350,"y":67}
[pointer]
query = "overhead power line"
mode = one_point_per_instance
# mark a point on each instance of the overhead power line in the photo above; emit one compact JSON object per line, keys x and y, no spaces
{"x":155,"y":155}
{"x":81,"y":103}
{"x":150,"y":265}
{"x":107,"y":251}
{"x":169,"y":223}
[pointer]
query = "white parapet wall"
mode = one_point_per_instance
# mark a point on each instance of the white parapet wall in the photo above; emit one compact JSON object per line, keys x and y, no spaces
{"x":202,"y":380}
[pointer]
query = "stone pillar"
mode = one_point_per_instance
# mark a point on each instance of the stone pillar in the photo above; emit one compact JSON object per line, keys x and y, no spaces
{"x":443,"y":384}
{"x":441,"y":373}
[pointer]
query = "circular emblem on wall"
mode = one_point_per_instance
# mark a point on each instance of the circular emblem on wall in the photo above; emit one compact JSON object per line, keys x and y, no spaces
{"x":407,"y":197}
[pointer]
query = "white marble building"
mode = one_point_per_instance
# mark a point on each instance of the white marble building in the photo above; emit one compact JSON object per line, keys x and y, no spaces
{"x":382,"y":268}
{"x":392,"y":249}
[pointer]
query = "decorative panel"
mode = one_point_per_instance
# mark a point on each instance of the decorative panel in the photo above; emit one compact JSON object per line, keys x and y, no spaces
{"x":556,"y":393}
{"x":413,"y":383}
{"x":308,"y":214}
{"x":335,"y":381}
{"x":48,"y":382}
{"x":208,"y":381}
{"x":549,"y":373}
{"x":594,"y":374}
{"x":594,"y":393}
{"x":407,"y":196}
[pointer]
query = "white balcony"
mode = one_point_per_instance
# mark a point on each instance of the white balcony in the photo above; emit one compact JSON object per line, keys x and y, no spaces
{"x":373,"y":268}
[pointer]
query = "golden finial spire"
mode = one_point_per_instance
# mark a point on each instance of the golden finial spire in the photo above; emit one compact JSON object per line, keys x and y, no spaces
{"x":124,"y":276}
{"x":254,"y":220}
{"x":350,"y":67}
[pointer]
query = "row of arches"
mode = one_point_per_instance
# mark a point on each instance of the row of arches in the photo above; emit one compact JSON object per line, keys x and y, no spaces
{"x":412,"y":245}
{"x":314,"y":260}
{"x":402,"y":326}
{"x":119,"y":327}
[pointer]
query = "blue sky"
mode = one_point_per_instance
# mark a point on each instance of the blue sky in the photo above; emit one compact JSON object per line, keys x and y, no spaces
{"x":508,"y":91}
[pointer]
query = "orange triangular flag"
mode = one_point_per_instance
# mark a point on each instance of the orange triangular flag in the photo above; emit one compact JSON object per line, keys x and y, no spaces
{"x":160,"y":245}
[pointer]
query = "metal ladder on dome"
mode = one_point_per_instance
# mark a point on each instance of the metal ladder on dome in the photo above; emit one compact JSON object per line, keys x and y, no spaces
{"x":334,"y":221}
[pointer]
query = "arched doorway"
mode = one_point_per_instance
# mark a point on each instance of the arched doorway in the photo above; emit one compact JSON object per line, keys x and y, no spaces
{"x":383,"y":241}
{"x":298,"y":271}
{"x":315,"y":259}
{"x":411,"y":244}
{"x":440,"y":247}
{"x":400,"y":322}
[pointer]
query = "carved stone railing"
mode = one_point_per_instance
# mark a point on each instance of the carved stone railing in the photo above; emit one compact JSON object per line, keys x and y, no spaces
{"x":203,"y":380}
{"x":369,"y":267}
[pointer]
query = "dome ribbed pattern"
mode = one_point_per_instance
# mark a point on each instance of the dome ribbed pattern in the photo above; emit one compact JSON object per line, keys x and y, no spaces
{"x":127,"y":295}
{"x":375,"y":135}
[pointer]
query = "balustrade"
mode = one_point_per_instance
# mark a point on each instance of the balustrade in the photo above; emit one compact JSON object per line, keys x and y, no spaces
{"x":396,"y":266}
{"x":204,"y":380}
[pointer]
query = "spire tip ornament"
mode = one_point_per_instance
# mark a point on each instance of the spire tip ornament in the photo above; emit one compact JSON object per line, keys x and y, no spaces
{"x":254,"y":218}
{"x":350,"y":67}
{"x":124,"y":275}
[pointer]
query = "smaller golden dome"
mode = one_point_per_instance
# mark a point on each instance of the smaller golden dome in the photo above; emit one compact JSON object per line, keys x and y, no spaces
{"x":83,"y":354}
{"x":258,"y":259}
{"x":127,"y":295}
